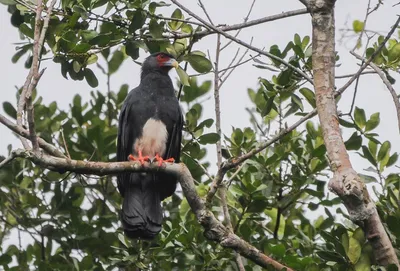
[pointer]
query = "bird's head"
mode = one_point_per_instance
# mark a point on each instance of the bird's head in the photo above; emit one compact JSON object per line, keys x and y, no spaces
{"x":162,"y":62}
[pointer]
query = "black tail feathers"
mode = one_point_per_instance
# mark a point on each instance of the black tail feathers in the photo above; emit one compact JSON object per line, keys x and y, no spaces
{"x":141,"y":215}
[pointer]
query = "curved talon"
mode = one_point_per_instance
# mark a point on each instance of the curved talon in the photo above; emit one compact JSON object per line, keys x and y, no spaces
{"x":160,"y":160}
{"x":141,"y":158}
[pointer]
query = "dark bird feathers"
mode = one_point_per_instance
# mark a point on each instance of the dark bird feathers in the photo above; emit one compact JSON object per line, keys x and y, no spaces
{"x":148,"y":109}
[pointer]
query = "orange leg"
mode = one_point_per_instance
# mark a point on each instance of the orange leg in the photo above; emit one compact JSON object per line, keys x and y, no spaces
{"x":161,"y":161}
{"x":141,"y":158}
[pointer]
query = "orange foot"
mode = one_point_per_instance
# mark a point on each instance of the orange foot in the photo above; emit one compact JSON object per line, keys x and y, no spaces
{"x":161,"y":160}
{"x":141,"y":158}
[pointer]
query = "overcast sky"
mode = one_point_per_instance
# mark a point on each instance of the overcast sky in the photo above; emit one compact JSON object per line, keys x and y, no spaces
{"x":372,"y":94}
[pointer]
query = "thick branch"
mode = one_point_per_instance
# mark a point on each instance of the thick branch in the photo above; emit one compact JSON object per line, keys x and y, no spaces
{"x":345,"y":182}
{"x":214,"y":230}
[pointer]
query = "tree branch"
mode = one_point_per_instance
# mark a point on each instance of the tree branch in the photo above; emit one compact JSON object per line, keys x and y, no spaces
{"x":237,"y":161}
{"x":387,"y":84}
{"x":345,"y":182}
{"x":271,"y":18}
{"x":214,"y":230}
{"x":226,"y":35}
{"x":21,"y":132}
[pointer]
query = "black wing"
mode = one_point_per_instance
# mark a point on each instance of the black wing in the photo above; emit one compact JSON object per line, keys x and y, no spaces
{"x":131,"y":118}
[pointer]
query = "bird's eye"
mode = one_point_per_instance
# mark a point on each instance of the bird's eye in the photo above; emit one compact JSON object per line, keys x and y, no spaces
{"x":161,"y":56}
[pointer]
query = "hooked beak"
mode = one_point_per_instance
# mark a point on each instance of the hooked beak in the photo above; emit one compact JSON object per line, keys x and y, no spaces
{"x":171,"y":63}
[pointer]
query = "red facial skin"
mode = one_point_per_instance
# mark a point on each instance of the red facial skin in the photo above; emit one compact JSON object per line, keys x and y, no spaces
{"x":161,"y":58}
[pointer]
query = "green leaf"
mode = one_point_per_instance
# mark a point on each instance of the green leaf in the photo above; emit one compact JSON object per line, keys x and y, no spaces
{"x":115,"y":61}
{"x":268,"y":107}
{"x":206,"y":123}
{"x":138,"y":20}
{"x":121,"y":238}
{"x":183,"y":77}
{"x":345,"y":123}
{"x":384,"y":150}
{"x":296,"y":100}
{"x":5,"y":259}
{"x":373,"y":122}
{"x":309,"y":95}
{"x":368,"y":155}
{"x":91,"y":78}
{"x":210,"y":138}
{"x":364,"y":263}
{"x":373,"y":148}
{"x":237,"y":137}
{"x":26,"y":30}
{"x":297,"y":39}
{"x":132,"y":49}
{"x":76,"y":66}
{"x":394,"y":53}
{"x":330,"y":256}
{"x":199,"y":63}
{"x":359,"y":116}
{"x":156,"y":30}
{"x":392,"y":160}
{"x":367,"y":178}
{"x":354,"y":142}
{"x":91,"y":59}
{"x":354,"y":251}
{"x":101,"y":40}
{"x":10,"y":110}
{"x":358,"y":26}
{"x":82,"y":48}
{"x":175,"y":25}
{"x":7,"y":2}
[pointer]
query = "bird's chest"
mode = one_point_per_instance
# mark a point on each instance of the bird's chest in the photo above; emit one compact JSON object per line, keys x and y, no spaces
{"x":153,"y":139}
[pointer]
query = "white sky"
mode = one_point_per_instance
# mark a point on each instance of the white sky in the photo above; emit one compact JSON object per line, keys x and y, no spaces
{"x":372,"y":94}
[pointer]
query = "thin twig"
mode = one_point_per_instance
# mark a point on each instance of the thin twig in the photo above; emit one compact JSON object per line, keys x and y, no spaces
{"x":351,"y":75}
{"x":265,"y":53}
{"x":50,"y":149}
{"x":233,"y":68}
{"x":387,"y":84}
{"x":364,"y":25}
{"x":244,"y":21}
{"x":271,"y":18}
{"x":371,"y":58}
{"x":205,"y":12}
{"x":217,"y":101}
{"x":65,"y":143}
{"x":7,"y":160}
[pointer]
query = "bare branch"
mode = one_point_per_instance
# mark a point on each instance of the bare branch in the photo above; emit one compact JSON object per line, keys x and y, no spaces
{"x":271,"y":18}
{"x":388,"y":85}
{"x":205,"y":12}
{"x":245,"y":20}
{"x":21,"y":132}
{"x":351,"y":75}
{"x":226,"y":35}
{"x":25,"y":100}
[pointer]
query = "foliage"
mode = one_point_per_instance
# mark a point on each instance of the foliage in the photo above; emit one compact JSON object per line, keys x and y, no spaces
{"x":72,"y":220}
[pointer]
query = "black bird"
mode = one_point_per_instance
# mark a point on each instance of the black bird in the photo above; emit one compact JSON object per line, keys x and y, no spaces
{"x":150,"y":128}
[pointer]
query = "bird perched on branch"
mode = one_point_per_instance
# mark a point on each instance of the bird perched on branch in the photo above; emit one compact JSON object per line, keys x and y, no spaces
{"x":150,"y":129}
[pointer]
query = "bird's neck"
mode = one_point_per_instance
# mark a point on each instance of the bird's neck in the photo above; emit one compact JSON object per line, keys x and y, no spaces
{"x":158,"y":81}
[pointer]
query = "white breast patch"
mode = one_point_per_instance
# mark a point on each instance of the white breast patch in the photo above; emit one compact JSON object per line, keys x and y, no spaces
{"x":154,"y":139}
